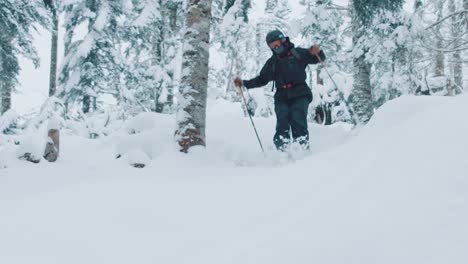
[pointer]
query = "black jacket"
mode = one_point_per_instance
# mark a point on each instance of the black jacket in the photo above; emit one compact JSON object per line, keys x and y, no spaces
{"x":289,"y":74}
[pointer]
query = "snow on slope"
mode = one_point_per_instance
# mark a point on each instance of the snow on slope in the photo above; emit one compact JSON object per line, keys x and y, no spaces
{"x":393,"y":193}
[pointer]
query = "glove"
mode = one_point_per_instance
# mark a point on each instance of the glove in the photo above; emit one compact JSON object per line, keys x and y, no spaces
{"x":314,"y":50}
{"x":238,"y":82}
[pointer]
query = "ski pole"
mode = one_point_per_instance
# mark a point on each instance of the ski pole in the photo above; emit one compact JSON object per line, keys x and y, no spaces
{"x":339,"y":91}
{"x":251,"y":120}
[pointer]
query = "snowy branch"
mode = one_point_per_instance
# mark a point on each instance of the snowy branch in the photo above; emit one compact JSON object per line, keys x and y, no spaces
{"x":455,"y":49}
{"x":338,"y":7}
{"x":447,"y":17}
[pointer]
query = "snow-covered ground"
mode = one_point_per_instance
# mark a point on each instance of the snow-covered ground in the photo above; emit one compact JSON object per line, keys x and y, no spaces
{"x":394,"y":191}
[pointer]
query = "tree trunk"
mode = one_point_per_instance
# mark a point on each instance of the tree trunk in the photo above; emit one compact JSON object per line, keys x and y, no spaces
{"x":191,"y":114}
{"x":86,"y":104}
{"x":53,"y":52}
{"x":8,"y":70}
{"x":174,"y":10}
{"x":465,"y":7}
{"x":440,"y":65}
{"x":361,"y":97}
{"x":90,"y":60}
{"x":6,"y":88}
{"x":449,"y":87}
{"x":52,"y":149}
{"x":457,"y":63}
{"x":319,"y":70}
{"x":362,"y":91}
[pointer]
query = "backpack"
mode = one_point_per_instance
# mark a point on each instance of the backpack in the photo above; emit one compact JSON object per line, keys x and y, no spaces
{"x":296,"y":55}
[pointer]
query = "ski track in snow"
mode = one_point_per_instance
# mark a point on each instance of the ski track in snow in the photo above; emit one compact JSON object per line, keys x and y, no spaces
{"x":391,"y":192}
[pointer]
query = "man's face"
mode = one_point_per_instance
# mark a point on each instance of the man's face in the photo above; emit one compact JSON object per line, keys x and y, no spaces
{"x":275,"y":44}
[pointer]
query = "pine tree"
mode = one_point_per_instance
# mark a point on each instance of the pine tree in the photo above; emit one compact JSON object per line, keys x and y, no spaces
{"x":391,"y":52}
{"x":320,"y":25}
{"x":172,"y":13}
{"x":363,"y":13}
{"x":90,"y":64}
{"x":191,"y":114}
{"x":18,"y":19}
{"x":153,"y":36}
{"x":233,"y":36}
{"x":145,"y":74}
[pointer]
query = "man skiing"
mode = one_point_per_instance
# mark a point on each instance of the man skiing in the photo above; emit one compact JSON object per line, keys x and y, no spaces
{"x":286,"y":68}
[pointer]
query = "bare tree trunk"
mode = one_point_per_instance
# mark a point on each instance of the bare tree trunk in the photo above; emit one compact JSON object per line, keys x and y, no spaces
{"x":457,"y":63}
{"x":440,"y":65}
{"x":361,"y":96}
{"x":53,"y":52}
{"x":191,"y":114}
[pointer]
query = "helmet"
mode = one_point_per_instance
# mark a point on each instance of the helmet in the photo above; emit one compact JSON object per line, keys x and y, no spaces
{"x":274,"y":35}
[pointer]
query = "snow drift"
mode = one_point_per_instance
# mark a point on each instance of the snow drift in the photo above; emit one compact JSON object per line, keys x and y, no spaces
{"x":391,"y":192}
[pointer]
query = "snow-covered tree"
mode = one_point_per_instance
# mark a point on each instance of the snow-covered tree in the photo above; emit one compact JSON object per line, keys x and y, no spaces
{"x":234,"y":33}
{"x":390,"y":47}
{"x":191,"y":113}
{"x":439,"y":65}
{"x":173,"y":14}
{"x":18,"y":19}
{"x":456,"y":29}
{"x":321,"y":24}
{"x":91,"y":63}
{"x":362,"y":14}
{"x":152,"y":45}
{"x":145,"y":74}
{"x":446,"y":30}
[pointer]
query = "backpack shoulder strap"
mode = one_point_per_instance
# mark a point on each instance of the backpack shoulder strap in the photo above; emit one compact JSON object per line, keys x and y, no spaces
{"x":296,"y":55}
{"x":273,"y":69}
{"x":273,"y":62}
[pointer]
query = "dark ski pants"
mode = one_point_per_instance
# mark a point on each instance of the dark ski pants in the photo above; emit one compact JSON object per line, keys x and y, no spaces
{"x":291,"y":115}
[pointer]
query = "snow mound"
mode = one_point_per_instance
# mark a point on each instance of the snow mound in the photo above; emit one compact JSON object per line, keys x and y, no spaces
{"x":393,"y":192}
{"x":148,"y":121}
{"x":150,"y":134}
{"x":7,"y":120}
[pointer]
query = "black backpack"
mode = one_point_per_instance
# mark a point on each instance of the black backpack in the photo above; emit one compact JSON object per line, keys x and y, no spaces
{"x":296,"y":55}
